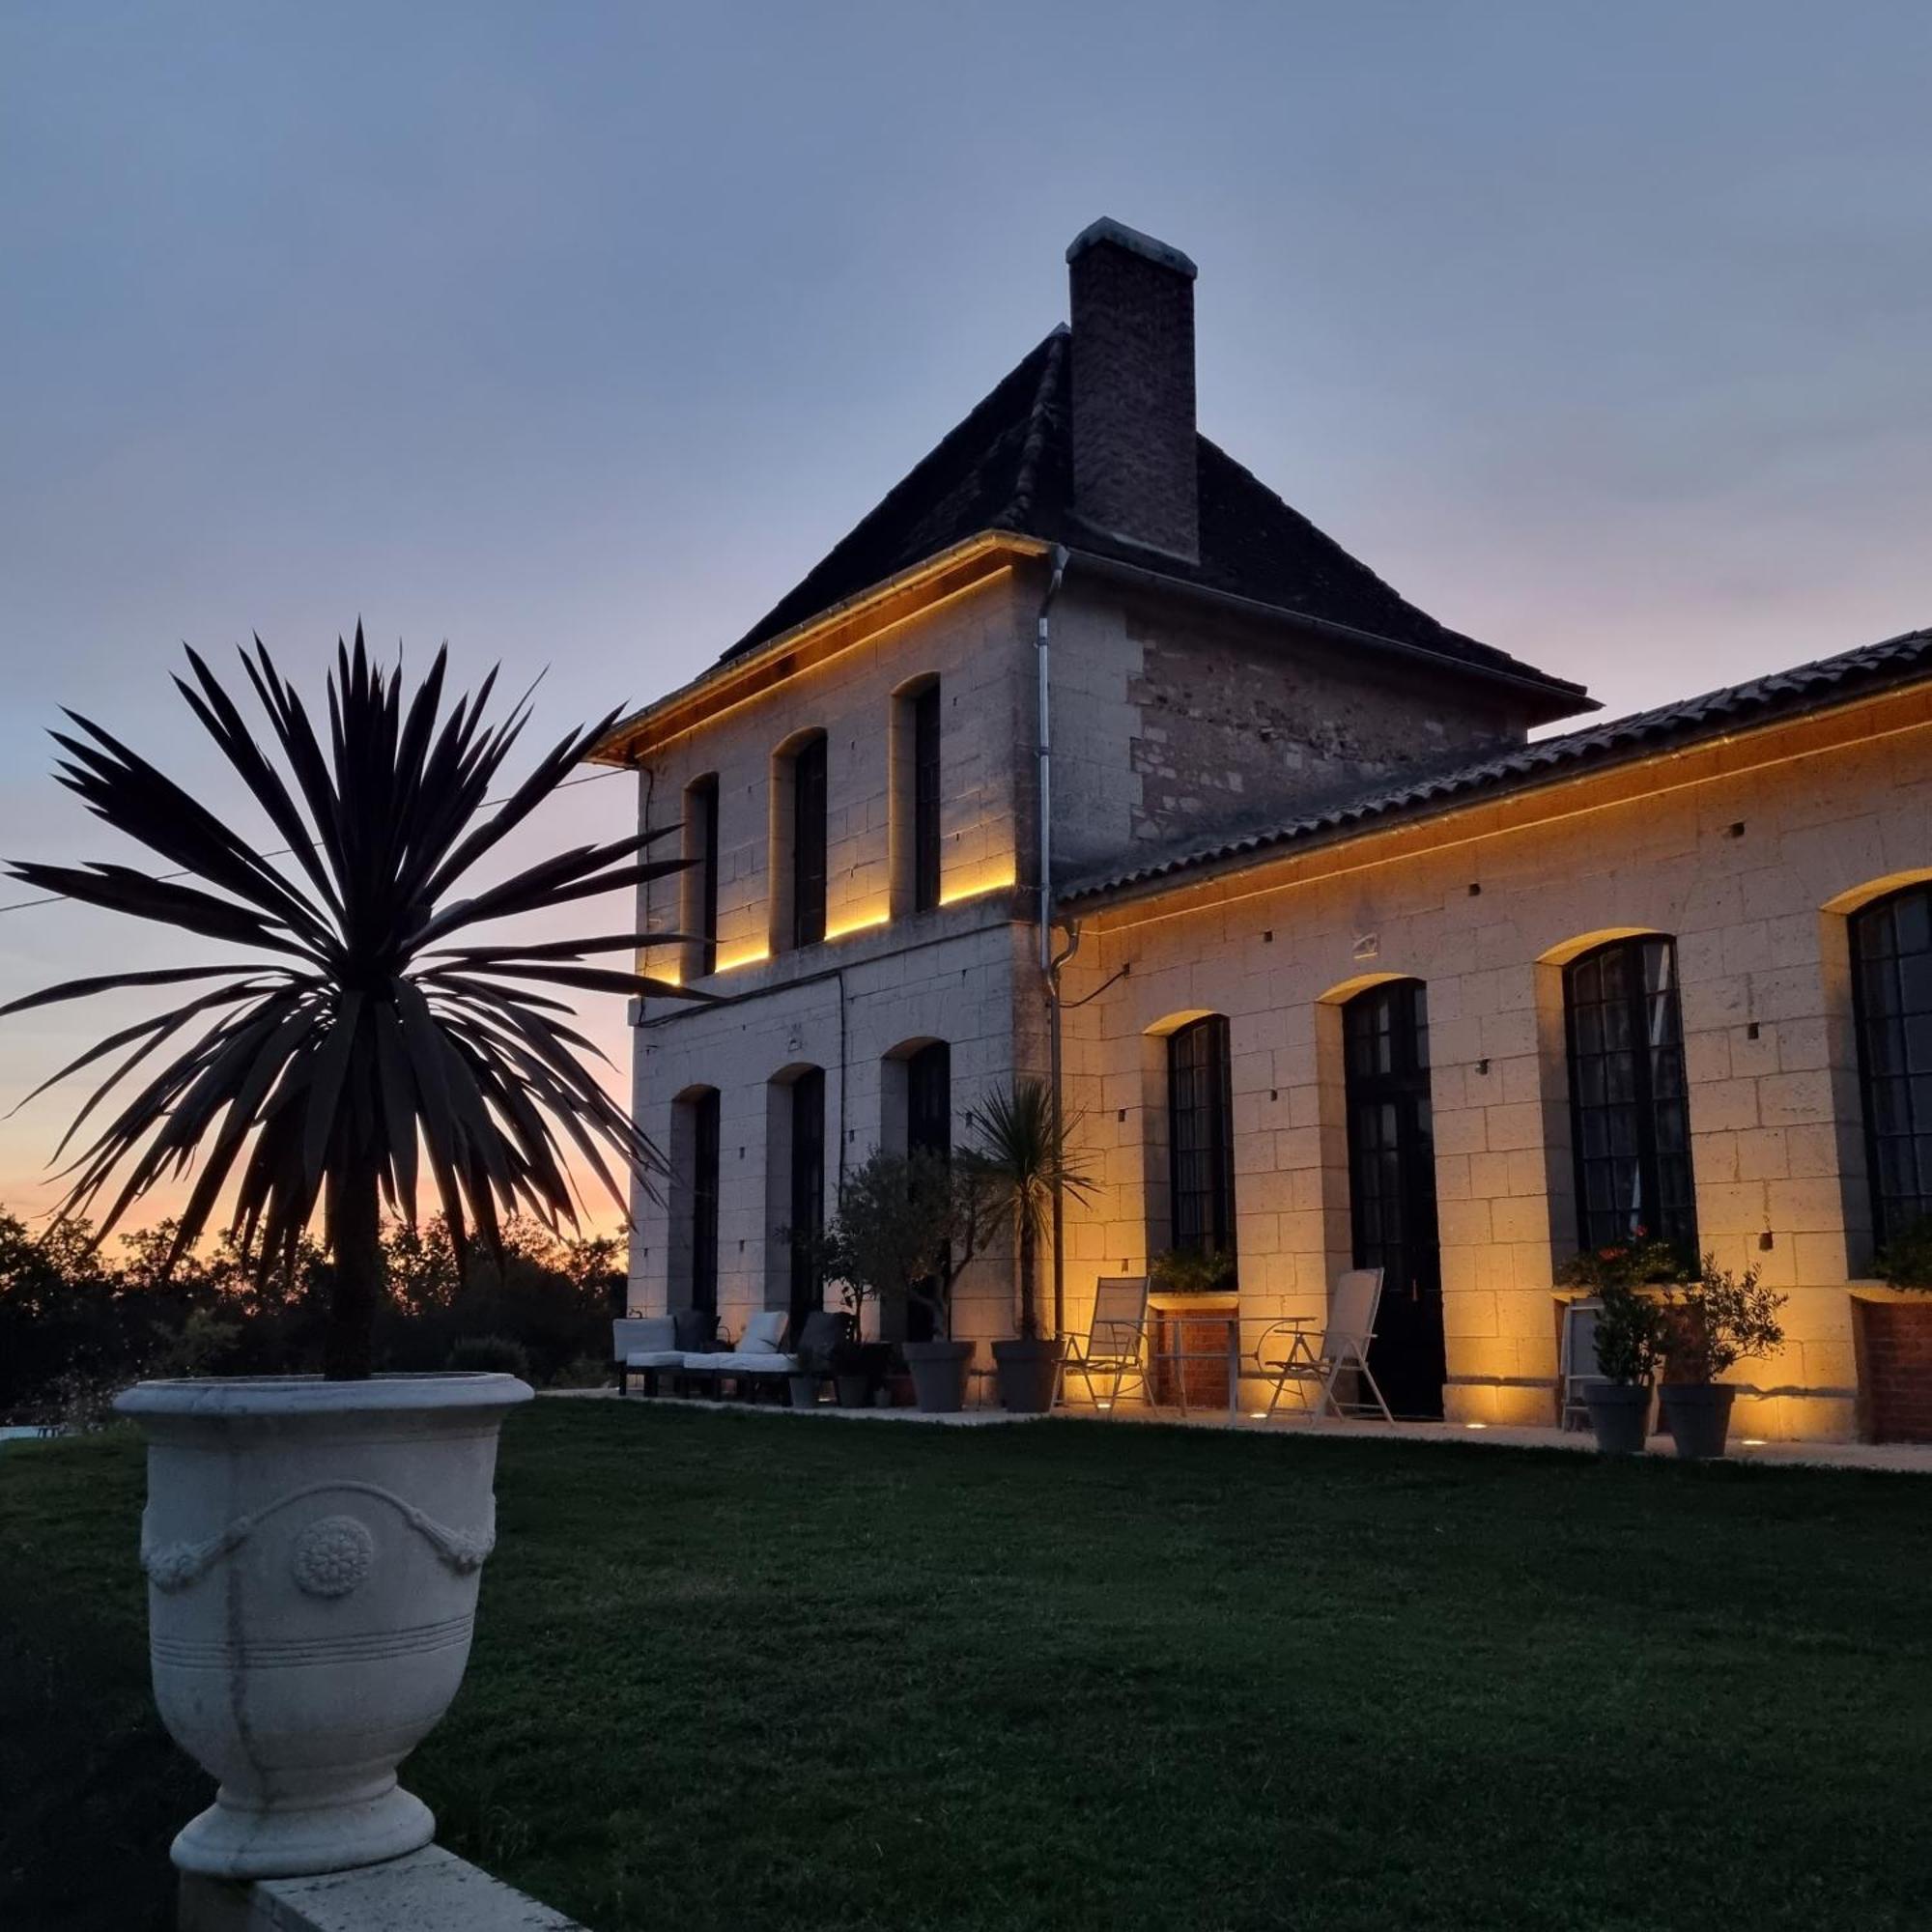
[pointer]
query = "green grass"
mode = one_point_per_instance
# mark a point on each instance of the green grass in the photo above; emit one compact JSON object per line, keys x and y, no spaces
{"x":759,"y":1671}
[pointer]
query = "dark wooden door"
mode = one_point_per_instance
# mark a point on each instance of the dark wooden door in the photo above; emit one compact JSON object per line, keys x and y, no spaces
{"x":1392,"y":1188}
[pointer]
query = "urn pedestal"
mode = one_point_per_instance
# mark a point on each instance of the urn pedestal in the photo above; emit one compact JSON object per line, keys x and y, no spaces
{"x":312,"y":1552}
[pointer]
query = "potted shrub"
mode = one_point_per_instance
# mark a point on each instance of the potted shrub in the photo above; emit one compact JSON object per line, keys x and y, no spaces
{"x":907,"y":1225}
{"x":1714,"y":1322}
{"x":1630,"y":1326}
{"x":1630,"y":1350}
{"x":312,"y":1544}
{"x":1020,"y":1153}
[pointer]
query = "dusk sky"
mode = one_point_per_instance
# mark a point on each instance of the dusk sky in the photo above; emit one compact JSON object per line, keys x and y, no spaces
{"x":575,"y":335}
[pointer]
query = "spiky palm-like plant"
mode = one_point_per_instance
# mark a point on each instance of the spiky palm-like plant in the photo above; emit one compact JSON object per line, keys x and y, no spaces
{"x":1021,"y":1151}
{"x":358,"y":1041}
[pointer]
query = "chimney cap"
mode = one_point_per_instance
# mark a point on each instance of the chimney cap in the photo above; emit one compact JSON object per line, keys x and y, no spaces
{"x":1107,"y":229}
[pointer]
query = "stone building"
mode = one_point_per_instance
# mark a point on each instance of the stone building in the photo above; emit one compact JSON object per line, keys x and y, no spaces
{"x":1342,"y":966}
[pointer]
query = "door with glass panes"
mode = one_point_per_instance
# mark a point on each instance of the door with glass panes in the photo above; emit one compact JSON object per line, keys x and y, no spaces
{"x":1392,"y":1187}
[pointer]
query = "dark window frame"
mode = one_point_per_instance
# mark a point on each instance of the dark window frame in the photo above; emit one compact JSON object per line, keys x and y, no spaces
{"x":705,"y":1120}
{"x":808,"y":778}
{"x":701,"y":795}
{"x":805,"y":1102}
{"x":926,"y":797}
{"x":1888,"y":1021}
{"x":1629,"y":1120}
{"x":1201,"y":1137}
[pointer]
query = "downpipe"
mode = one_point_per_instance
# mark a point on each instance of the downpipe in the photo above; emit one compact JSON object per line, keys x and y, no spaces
{"x":1049,"y":966}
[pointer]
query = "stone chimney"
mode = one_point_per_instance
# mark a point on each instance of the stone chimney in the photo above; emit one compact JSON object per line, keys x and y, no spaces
{"x":1133,"y":388}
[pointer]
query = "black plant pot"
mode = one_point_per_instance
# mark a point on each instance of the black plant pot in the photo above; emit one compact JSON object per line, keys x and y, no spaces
{"x":854,"y":1389}
{"x":804,"y":1391}
{"x":939,"y":1372}
{"x":1620,"y":1414}
{"x":1029,"y":1373}
{"x":1699,"y":1417}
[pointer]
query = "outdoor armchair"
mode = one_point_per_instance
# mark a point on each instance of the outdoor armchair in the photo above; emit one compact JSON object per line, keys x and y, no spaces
{"x":1113,"y":1347}
{"x":1291,"y":1351}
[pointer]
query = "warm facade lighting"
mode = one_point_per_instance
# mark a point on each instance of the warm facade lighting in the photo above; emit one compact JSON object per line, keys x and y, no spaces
{"x":746,"y":955}
{"x":998,"y":876}
{"x":860,"y":923}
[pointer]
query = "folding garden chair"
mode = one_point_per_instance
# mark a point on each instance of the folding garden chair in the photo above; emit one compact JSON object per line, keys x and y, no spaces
{"x":1115,"y":1340}
{"x":1289,"y":1351}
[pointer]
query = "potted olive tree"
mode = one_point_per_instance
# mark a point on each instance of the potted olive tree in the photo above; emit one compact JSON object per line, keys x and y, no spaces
{"x":906,"y":1226}
{"x":1020,"y":1153}
{"x":312,"y":1544}
{"x":1715,"y":1322}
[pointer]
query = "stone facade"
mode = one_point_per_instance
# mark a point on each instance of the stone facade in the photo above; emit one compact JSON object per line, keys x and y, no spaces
{"x":1750,"y":853}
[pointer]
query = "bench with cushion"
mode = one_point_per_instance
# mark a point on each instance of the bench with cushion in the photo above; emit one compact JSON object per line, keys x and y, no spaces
{"x":645,"y":1344}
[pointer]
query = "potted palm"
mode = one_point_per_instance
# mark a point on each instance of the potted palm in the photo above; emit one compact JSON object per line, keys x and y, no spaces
{"x":1020,"y":1155}
{"x":1715,"y":1322}
{"x":312,"y":1544}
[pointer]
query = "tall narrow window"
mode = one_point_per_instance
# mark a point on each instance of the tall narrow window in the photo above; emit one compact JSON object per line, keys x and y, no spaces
{"x":1891,"y":988}
{"x":928,"y":1130}
{"x":1392,"y":1187}
{"x":808,"y":1194}
{"x":700,"y":849}
{"x":808,"y":843}
{"x":1201,"y":1137}
{"x":705,"y":1202}
{"x":926,"y":798}
{"x":930,"y":1101}
{"x":1627,"y":1103}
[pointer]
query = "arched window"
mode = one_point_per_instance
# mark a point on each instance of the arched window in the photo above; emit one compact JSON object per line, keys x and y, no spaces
{"x":797,"y":843}
{"x":1201,"y":1137}
{"x":1630,"y":1127}
{"x":1891,"y":991}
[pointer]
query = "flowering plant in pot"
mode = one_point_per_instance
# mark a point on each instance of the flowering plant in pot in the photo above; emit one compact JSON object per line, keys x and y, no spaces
{"x":312,"y":1545}
{"x":1020,"y":1154}
{"x":906,"y":1227}
{"x":1629,"y":1332}
{"x":1712,"y":1323}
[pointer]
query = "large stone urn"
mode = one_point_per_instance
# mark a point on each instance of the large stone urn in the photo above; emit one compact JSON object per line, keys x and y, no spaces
{"x":312,"y":1552}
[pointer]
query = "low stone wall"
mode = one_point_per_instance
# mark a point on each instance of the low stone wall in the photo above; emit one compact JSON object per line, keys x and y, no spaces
{"x":431,"y":1890}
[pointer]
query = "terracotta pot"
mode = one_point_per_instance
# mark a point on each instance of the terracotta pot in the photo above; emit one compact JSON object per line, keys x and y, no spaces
{"x":312,"y":1552}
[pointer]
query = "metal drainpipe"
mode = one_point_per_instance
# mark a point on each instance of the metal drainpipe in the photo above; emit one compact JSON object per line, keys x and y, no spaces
{"x":1048,"y":967}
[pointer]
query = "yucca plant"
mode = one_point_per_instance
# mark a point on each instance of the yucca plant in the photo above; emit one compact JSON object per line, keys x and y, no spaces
{"x":1021,"y":1150}
{"x":358,"y":1042}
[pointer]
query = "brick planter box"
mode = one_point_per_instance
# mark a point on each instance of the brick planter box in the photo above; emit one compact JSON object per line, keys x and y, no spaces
{"x":1192,"y":1325}
{"x":1894,"y":1339}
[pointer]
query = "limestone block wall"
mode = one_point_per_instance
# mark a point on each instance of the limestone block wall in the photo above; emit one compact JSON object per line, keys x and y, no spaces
{"x":956,"y":985}
{"x":1749,"y":855}
{"x":1172,"y":721}
{"x":975,"y":645}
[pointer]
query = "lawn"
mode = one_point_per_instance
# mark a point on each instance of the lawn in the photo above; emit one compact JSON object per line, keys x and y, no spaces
{"x":765,"y":1671}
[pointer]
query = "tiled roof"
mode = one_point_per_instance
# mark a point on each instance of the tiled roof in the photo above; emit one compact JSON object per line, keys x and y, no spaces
{"x":1900,"y":659}
{"x":1008,"y":467}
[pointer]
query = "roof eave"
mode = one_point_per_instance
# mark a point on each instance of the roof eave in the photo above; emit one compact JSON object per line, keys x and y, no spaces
{"x":944,"y":574}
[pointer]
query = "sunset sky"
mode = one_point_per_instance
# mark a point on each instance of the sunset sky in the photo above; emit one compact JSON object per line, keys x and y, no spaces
{"x":574,"y":335}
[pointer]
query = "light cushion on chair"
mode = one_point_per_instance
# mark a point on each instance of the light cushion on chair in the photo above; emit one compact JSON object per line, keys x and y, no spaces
{"x":764,"y":1362}
{"x":641,"y":1334}
{"x":655,"y":1358}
